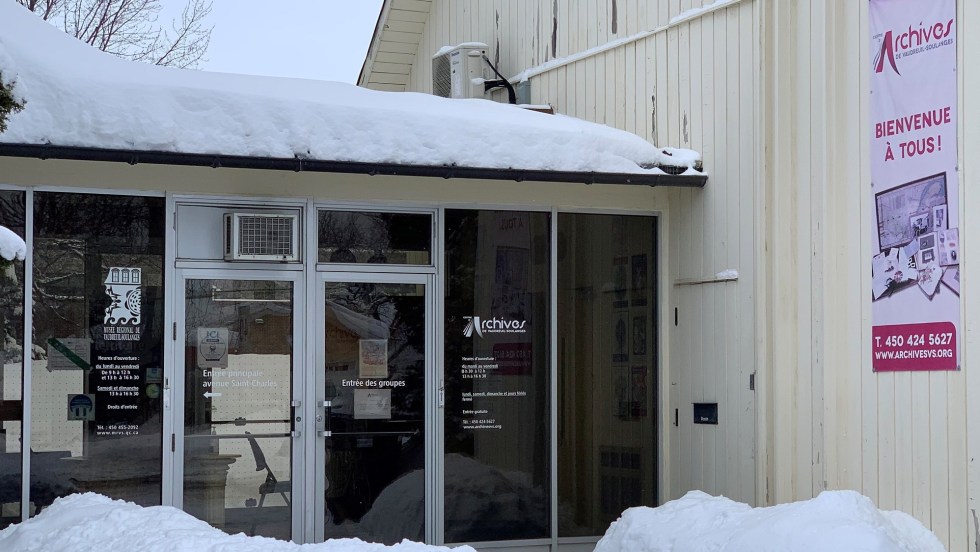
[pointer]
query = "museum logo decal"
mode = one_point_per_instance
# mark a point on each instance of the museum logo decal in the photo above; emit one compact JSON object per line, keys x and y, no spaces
{"x":494,"y":325}
{"x":122,"y":319}
{"x":909,"y":42}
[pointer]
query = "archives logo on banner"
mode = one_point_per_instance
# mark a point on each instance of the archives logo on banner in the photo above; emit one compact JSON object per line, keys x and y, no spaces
{"x":915,"y":267}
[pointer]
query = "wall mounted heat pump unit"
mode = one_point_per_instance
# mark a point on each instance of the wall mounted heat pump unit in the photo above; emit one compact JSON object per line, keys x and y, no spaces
{"x":261,"y":237}
{"x":459,"y":71}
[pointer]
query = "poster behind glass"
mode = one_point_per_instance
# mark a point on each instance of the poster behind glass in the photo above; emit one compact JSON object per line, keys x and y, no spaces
{"x":11,"y":363}
{"x":497,"y":444}
{"x":97,"y":373}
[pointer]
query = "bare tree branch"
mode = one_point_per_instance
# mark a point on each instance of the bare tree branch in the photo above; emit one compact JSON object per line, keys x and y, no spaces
{"x":131,"y":28}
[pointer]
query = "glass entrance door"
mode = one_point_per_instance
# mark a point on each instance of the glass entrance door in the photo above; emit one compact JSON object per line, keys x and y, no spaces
{"x":372,"y":398}
{"x":235,"y":454}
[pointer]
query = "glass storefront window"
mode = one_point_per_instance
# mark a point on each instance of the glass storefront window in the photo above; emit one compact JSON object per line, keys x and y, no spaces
{"x":11,"y":364}
{"x":607,"y":369}
{"x":97,"y":373}
{"x":372,"y":237}
{"x":97,"y":369}
{"x":497,"y":350}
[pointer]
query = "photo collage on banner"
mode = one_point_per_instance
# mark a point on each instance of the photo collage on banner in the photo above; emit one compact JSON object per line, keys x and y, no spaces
{"x":915,"y":183}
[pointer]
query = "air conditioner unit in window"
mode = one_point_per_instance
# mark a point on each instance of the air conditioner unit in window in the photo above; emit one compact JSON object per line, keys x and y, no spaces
{"x":261,"y":237}
{"x":459,"y":71}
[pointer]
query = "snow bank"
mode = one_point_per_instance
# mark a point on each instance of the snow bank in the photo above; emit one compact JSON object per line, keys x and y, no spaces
{"x":832,"y":522}
{"x":78,"y":96}
{"x":12,"y":247}
{"x":93,"y":523}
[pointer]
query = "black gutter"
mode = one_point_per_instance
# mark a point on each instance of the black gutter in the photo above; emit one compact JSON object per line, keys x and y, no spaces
{"x":349,"y":167}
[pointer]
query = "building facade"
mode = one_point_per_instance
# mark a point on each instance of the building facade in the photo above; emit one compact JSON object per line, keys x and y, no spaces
{"x":309,"y":348}
{"x":318,"y":313}
{"x":777,"y":98}
{"x":411,"y":347}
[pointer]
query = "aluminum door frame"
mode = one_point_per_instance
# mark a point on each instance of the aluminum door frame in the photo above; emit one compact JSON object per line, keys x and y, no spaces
{"x":315,"y":395}
{"x":175,"y":381}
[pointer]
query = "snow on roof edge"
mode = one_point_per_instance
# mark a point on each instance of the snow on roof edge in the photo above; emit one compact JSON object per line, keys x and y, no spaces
{"x":652,"y":177}
{"x":79,"y":97}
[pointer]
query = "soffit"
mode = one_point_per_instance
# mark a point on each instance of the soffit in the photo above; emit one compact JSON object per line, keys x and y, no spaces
{"x":396,"y":40}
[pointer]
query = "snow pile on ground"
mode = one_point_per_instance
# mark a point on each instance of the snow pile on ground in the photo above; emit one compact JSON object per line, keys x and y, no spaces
{"x":12,"y":247}
{"x":93,"y":523}
{"x":832,"y":522}
{"x":78,"y":96}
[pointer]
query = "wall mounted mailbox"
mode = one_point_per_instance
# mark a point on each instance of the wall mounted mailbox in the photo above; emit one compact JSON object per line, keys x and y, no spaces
{"x":706,"y":413}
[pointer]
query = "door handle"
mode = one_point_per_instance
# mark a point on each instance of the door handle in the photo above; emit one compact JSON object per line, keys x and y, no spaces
{"x":294,"y":419}
{"x":325,"y":432}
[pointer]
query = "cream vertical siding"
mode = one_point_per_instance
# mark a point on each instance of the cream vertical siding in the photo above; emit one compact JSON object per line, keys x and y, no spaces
{"x":900,"y":438}
{"x":964,"y":388}
{"x":775,"y":96}
{"x":691,"y":85}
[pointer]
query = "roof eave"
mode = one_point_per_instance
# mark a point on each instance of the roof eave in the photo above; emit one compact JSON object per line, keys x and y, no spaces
{"x":395,"y":45}
{"x":375,"y":41}
{"x":134,"y":157}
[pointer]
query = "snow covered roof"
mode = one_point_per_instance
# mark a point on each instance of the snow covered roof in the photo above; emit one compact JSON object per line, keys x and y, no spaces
{"x":77,"y":97}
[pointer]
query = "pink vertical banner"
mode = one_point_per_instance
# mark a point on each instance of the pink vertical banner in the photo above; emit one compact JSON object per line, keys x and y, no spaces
{"x":915,"y":266}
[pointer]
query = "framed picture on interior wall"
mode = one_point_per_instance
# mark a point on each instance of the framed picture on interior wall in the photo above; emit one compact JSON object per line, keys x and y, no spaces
{"x":638,"y":290}
{"x":622,"y":388}
{"x":510,"y":282}
{"x":638,"y":391}
{"x":640,"y":335}
{"x":621,"y":266}
{"x":620,"y":334}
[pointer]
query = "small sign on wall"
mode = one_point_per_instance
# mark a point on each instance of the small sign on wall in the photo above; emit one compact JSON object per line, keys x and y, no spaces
{"x":81,"y":407}
{"x":372,"y":404}
{"x":212,"y":347}
{"x":69,"y":353}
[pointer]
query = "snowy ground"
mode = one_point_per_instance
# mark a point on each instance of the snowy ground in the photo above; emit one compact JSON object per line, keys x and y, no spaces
{"x":93,"y":523}
{"x":833,"y":522}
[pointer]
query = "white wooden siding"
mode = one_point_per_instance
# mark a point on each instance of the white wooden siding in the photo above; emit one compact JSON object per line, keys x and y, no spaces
{"x":522,"y":33}
{"x":900,"y":438}
{"x":774,"y":95}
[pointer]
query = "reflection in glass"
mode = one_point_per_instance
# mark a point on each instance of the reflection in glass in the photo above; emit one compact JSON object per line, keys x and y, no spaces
{"x":11,"y":363}
{"x":374,"y":374}
{"x":497,"y":445}
{"x":378,"y":238}
{"x":238,"y":366}
{"x":97,"y":347}
{"x":607,"y":369}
